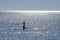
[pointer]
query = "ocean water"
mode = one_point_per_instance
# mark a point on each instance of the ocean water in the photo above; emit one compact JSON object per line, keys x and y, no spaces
{"x":40,"y":27}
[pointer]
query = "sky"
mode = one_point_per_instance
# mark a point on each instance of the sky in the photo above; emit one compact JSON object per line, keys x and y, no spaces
{"x":29,"y":4}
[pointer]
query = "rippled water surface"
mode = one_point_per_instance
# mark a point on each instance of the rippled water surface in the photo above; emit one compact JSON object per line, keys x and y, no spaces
{"x":40,"y":27}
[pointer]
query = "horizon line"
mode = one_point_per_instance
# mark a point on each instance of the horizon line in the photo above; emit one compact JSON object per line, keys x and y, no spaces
{"x":31,"y":11}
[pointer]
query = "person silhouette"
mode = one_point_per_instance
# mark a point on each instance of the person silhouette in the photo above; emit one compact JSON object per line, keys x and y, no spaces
{"x":24,"y":26}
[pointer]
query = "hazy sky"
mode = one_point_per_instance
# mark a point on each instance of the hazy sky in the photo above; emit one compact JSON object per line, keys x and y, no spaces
{"x":29,"y":4}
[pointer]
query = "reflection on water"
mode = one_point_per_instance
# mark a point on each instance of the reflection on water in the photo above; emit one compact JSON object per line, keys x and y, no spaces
{"x":40,"y":27}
